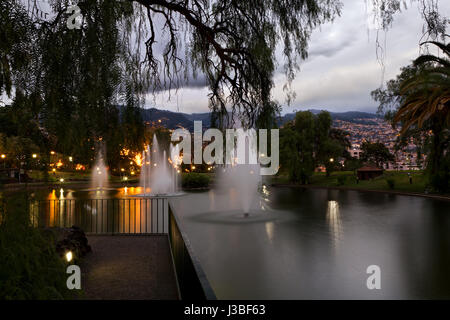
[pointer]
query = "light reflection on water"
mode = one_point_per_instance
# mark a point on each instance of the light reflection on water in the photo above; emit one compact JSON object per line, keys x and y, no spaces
{"x":97,"y":210}
{"x":334,"y":222}
{"x":319,"y":243}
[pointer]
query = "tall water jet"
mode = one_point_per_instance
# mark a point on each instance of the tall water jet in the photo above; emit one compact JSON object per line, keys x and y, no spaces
{"x":99,"y":174}
{"x":242,"y":176}
{"x":176,"y":161}
{"x":158,"y":171}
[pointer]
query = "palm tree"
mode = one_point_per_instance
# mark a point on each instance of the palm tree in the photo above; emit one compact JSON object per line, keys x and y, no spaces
{"x":427,"y":93}
{"x":426,"y":99}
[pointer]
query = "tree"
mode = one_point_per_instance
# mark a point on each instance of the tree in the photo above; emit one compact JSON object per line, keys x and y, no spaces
{"x":16,"y":33}
{"x":310,"y":141}
{"x":426,"y":94}
{"x":231,"y":43}
{"x":79,"y":77}
{"x":427,"y":98}
{"x":19,"y":151}
{"x":375,"y":152}
{"x":419,"y":100}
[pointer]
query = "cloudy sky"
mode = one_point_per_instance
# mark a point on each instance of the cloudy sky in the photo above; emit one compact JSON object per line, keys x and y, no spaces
{"x":342,"y":68}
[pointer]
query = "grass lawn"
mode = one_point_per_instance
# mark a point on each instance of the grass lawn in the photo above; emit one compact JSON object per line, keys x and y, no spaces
{"x":348,"y":179}
{"x":73,"y":176}
{"x":345,"y":179}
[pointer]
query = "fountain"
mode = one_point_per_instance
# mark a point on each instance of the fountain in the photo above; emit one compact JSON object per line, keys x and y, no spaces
{"x":99,"y":175}
{"x":243,"y":181}
{"x":159,"y":174}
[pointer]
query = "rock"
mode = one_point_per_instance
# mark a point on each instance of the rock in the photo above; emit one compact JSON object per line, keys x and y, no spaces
{"x":72,"y":239}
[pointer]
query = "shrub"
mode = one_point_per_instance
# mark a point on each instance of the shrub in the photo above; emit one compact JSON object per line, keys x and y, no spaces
{"x":341,"y":180}
{"x":30,"y":268}
{"x":195,"y":180}
{"x":391,"y":183}
{"x":440,"y":181}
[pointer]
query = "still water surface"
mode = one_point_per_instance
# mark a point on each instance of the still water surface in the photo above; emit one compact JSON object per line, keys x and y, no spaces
{"x":317,"y":244}
{"x":305,"y":243}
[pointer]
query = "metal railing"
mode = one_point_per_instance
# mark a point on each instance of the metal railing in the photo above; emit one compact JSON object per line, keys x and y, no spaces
{"x":130,"y":216}
{"x":104,"y":216}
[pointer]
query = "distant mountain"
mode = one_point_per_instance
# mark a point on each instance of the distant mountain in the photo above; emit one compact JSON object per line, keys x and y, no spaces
{"x":345,"y":116}
{"x":168,"y":119}
{"x":204,"y":117}
{"x":173,"y":120}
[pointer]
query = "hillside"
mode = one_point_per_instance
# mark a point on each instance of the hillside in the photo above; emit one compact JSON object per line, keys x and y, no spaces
{"x":350,"y":116}
{"x":173,"y":120}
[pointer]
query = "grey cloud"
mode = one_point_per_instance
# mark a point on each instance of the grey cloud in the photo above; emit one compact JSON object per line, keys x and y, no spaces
{"x":342,"y":68}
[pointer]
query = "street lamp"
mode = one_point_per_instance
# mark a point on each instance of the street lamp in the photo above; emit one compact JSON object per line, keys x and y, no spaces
{"x":331,"y":160}
{"x":34,"y":155}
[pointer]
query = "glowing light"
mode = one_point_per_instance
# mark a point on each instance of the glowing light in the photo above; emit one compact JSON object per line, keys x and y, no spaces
{"x":53,"y":169}
{"x":70,"y":159}
{"x":193,"y":167}
{"x":154,"y":164}
{"x":132,"y":173}
{"x":3,"y":156}
{"x":122,"y":169}
{"x":138,"y":159}
{"x":52,"y":152}
{"x":125,"y":190}
{"x":125,"y":178}
{"x":59,"y":163}
{"x":331,"y":160}
{"x":34,"y":155}
{"x":69,"y":256}
{"x":124,"y":152}
{"x":80,"y":167}
{"x":61,"y":180}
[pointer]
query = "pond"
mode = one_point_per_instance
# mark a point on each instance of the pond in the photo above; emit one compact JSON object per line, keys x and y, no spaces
{"x":299,"y":243}
{"x":318,"y":244}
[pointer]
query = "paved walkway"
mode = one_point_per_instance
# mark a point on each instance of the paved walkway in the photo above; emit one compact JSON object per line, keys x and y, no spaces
{"x":128,"y":267}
